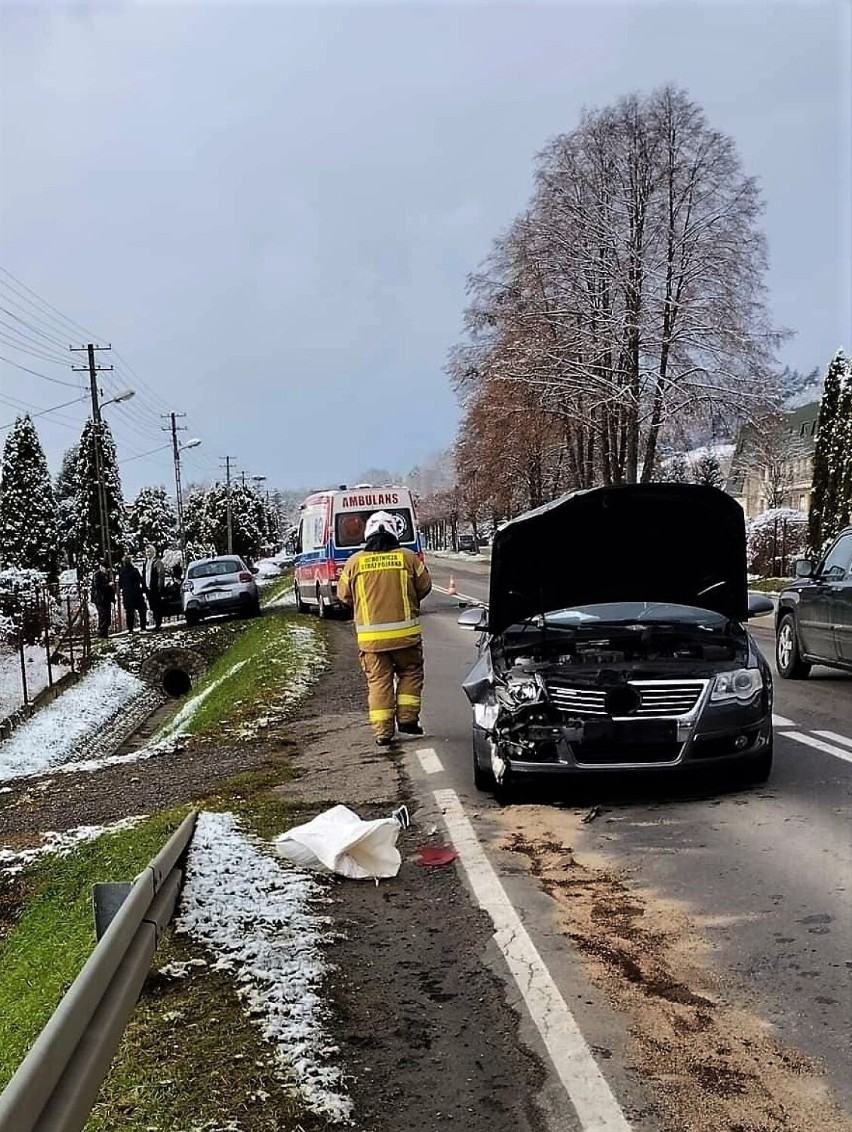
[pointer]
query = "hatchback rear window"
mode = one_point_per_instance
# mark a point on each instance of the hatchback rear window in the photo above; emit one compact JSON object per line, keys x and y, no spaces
{"x":215,"y":569}
{"x":349,"y":526}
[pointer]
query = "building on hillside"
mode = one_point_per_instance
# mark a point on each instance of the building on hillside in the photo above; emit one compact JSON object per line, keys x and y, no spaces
{"x":773,"y":464}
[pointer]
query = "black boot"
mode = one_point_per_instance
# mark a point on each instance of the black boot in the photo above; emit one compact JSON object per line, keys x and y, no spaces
{"x":384,"y":740}
{"x":410,"y":728}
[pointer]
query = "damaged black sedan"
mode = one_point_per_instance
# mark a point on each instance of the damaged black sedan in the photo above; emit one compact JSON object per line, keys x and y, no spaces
{"x":615,"y":639}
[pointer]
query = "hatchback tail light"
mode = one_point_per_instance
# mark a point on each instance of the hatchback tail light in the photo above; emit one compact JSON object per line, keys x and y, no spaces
{"x":245,"y":576}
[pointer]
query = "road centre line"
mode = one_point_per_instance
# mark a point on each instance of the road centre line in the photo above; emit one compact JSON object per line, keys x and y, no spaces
{"x":780,"y":721}
{"x":819,"y":745}
{"x":587,"y":1089}
{"x":834,"y":738}
{"x":429,"y":761}
{"x":461,"y":597}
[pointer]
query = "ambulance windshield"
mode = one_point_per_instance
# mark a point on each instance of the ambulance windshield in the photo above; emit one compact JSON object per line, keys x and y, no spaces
{"x":349,"y":526}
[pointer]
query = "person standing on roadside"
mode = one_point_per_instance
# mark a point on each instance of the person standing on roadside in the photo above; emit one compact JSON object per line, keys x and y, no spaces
{"x":102,"y":593}
{"x":385,"y":583}
{"x":155,"y":581}
{"x":132,"y":586}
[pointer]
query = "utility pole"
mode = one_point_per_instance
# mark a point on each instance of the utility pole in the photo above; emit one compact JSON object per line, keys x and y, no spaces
{"x":94,"y":370}
{"x":175,"y":428}
{"x":228,"y":460}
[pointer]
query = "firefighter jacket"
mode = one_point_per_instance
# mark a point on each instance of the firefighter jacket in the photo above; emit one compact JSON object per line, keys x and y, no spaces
{"x":385,"y":588}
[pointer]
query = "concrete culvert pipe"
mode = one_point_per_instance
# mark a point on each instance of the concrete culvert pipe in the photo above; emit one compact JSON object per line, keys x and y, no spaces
{"x":174,"y":670}
{"x":176,"y":682}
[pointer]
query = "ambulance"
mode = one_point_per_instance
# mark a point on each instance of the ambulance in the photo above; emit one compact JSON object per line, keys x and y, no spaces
{"x":331,"y":530}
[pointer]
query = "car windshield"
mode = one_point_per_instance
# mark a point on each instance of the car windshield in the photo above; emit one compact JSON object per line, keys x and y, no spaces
{"x":215,"y":569}
{"x":349,"y":526}
{"x":635,"y":613}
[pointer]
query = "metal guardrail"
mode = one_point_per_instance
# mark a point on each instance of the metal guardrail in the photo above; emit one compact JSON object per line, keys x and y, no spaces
{"x":57,"y":1083}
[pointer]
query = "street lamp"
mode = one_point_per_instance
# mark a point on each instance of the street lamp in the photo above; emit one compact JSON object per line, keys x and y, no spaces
{"x":178,"y":448}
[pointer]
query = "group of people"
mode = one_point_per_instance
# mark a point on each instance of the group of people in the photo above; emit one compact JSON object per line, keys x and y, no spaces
{"x":140,"y":591}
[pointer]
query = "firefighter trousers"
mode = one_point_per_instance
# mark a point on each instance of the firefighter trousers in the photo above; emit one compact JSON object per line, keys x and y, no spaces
{"x":394,"y":687}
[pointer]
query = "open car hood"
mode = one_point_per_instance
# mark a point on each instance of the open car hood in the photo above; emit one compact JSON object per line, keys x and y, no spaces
{"x":679,"y":543}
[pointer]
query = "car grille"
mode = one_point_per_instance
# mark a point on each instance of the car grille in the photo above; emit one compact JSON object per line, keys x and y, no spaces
{"x":656,"y":699}
{"x":636,"y":754}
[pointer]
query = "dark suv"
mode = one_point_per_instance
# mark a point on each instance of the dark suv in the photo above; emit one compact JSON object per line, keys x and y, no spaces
{"x":813,"y":623}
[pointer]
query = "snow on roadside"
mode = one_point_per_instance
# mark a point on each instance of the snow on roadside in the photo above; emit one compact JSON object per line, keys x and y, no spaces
{"x":256,"y":917}
{"x":61,"y":843}
{"x":11,"y":688}
{"x":53,"y":735}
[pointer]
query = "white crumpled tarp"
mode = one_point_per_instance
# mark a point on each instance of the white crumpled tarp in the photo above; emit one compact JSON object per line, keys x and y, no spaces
{"x":338,"y":840}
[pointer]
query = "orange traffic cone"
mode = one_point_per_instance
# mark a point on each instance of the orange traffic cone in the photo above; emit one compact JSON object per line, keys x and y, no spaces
{"x":452,"y":588}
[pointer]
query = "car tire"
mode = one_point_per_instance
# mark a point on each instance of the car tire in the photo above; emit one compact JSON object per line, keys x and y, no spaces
{"x":323,"y":611}
{"x":254,"y":610}
{"x":788,"y":658}
{"x":758,"y":769}
{"x":191,"y":618}
{"x":301,"y":607}
{"x":483,"y":780}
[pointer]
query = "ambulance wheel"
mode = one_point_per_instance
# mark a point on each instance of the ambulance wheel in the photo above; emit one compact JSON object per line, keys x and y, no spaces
{"x":297,"y":593}
{"x":322,"y":609}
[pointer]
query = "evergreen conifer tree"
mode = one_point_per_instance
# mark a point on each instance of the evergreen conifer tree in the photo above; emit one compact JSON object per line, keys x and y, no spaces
{"x":151,"y":519}
{"x":29,"y":537}
{"x":825,"y":515}
{"x":65,"y":493}
{"x":88,"y":511}
{"x":708,"y":471}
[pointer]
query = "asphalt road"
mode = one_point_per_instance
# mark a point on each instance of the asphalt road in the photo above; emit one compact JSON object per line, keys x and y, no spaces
{"x":767,"y":873}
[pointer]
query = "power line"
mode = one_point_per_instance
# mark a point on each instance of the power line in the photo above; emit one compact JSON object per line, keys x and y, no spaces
{"x":44,"y":302}
{"x":47,"y":337}
{"x":35,"y":373}
{"x":52,"y":358}
{"x":44,"y":412}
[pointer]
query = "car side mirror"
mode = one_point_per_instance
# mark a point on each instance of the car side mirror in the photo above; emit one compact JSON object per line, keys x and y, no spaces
{"x":758,"y":605}
{"x":475,"y":618}
{"x":255,"y":570}
{"x":804,"y":568}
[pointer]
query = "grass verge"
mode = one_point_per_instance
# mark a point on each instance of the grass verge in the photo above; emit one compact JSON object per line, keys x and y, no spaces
{"x":256,"y":680}
{"x":51,"y":940}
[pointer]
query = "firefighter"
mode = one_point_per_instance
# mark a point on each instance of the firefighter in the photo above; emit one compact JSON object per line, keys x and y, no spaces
{"x":385,"y":584}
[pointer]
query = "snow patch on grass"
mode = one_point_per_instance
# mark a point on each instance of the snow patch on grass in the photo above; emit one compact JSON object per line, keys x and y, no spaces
{"x":256,"y":917}
{"x":178,"y":724}
{"x":55,"y":733}
{"x":61,"y":843}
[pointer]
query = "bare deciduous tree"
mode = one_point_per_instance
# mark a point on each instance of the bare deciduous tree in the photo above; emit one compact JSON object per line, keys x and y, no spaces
{"x":630,"y":295}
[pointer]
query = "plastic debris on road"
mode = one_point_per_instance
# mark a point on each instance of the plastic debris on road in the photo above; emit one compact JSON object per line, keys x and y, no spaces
{"x":434,"y":856}
{"x":340,"y":842}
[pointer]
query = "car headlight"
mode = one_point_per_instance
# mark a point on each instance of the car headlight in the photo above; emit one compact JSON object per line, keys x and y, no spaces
{"x":742,"y":685}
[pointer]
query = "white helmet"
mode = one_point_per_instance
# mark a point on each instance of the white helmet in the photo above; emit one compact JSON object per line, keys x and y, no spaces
{"x":393,"y":524}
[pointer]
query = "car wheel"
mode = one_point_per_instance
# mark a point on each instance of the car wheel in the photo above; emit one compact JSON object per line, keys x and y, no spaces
{"x":301,"y":607}
{"x":788,"y":659}
{"x":483,"y":779}
{"x":322,"y":608}
{"x":758,"y":769}
{"x":191,"y":618}
{"x":254,"y":608}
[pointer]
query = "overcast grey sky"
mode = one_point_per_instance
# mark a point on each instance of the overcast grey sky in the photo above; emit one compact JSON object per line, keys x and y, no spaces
{"x":270,"y":209}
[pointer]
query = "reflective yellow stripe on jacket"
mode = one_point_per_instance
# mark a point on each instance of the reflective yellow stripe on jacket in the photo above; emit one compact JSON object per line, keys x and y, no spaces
{"x":385,"y":589}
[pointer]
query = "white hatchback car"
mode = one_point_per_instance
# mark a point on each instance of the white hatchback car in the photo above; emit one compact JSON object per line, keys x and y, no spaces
{"x":219,"y":585}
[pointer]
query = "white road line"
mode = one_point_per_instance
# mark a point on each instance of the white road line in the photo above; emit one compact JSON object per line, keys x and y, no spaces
{"x":819,"y":745}
{"x":834,"y":738}
{"x":429,"y":761}
{"x":780,"y":721}
{"x":461,"y":597}
{"x":593,"y":1101}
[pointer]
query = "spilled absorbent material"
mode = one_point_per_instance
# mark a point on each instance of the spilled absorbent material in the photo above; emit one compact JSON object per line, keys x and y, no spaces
{"x":340,"y":842}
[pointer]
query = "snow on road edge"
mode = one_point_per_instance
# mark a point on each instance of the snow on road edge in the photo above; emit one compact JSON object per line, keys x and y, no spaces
{"x":256,"y":916}
{"x":54,"y":734}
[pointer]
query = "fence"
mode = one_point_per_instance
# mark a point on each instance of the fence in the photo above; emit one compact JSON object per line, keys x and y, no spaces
{"x":57,"y":1083}
{"x":46,"y":635}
